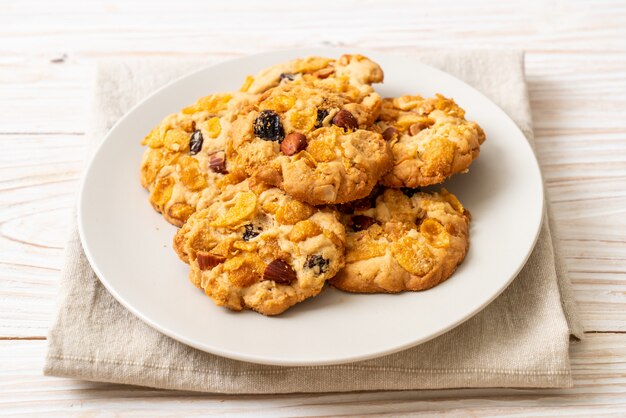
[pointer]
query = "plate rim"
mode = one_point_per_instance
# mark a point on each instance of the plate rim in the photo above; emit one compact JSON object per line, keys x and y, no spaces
{"x":282,"y":362}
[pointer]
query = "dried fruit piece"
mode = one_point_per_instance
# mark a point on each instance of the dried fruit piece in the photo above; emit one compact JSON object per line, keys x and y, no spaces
{"x":321,"y":115}
{"x":250,"y":232}
{"x":317,"y":263}
{"x":181,"y":211}
{"x":435,"y":233}
{"x":293,"y":211}
{"x":195,"y":142}
{"x":217,"y":162}
{"x":293,"y":143}
{"x":287,"y":76}
{"x":346,"y":120}
{"x":207,"y":261}
{"x":390,"y":133}
{"x":268,"y":126}
{"x":361,"y":222}
{"x":280,"y":272}
{"x":245,"y":204}
{"x":412,"y":256}
{"x":304,"y":230}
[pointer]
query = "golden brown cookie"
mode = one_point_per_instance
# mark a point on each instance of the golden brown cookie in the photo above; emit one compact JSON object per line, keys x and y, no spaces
{"x":257,"y":248}
{"x":356,"y":69}
{"x":309,"y":136}
{"x":185,"y":162}
{"x":402,"y":242}
{"x":430,"y":140}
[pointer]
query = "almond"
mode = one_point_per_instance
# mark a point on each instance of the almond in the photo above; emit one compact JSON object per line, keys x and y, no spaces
{"x":415,"y":128}
{"x":280,"y":272}
{"x":293,"y":143}
{"x":346,"y":120}
{"x":217,"y":162}
{"x":207,"y":261}
{"x":389,"y":133}
{"x":324,"y":72}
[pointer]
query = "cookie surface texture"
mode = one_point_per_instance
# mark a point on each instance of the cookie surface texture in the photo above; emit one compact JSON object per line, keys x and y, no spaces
{"x":309,"y":135}
{"x":429,"y":138}
{"x":185,"y":160}
{"x":258,"y":248}
{"x":403,"y":243}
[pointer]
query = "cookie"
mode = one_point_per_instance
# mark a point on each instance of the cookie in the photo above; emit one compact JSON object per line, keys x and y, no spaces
{"x":257,"y":248}
{"x":185,"y":162}
{"x":356,"y":69}
{"x":309,"y":136}
{"x":403,"y":242}
{"x":430,"y":140}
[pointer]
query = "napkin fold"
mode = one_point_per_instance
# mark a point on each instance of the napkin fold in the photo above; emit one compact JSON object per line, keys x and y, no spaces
{"x":519,"y":340}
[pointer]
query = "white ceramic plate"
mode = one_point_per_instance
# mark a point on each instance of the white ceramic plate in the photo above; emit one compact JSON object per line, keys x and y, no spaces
{"x":129,"y":244}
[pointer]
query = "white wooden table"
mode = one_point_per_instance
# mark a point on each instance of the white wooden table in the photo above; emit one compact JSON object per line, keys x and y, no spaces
{"x":576,"y":66}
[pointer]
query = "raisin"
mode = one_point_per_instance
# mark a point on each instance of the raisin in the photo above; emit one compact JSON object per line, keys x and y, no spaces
{"x":321,"y":115}
{"x":361,"y":222}
{"x":195,"y":142}
{"x":268,"y":126}
{"x":287,"y":76}
{"x":317,"y":263}
{"x":410,"y":191}
{"x":250,"y":232}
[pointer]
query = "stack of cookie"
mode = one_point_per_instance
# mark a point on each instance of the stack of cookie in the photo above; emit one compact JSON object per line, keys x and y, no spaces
{"x":306,"y":175}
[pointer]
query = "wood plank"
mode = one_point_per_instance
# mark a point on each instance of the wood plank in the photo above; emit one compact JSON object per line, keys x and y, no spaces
{"x":598,"y":363}
{"x":577,"y":86}
{"x":38,"y":179}
{"x":31,"y":90}
{"x":569,"y":57}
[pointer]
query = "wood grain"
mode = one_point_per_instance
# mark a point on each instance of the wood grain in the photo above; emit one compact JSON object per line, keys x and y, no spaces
{"x":575,"y":62}
{"x":599,"y":367}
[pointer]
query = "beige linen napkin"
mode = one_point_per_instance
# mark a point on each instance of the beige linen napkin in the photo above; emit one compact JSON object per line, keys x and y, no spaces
{"x":519,"y":340}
